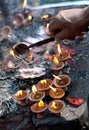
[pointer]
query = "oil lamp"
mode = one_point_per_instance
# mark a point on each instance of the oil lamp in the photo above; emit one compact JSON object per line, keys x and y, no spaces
{"x":56,"y":107}
{"x":36,"y":95}
{"x":39,"y":108}
{"x":57,"y":65}
{"x":21,"y":97}
{"x":44,"y":85}
{"x":6,"y":32}
{"x":62,"y":55}
{"x":62,"y":81}
{"x":56,"y":93}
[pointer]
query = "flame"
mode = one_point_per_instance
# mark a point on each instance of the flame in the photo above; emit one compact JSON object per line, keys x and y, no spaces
{"x":54,"y":89}
{"x":12,"y":52}
{"x":47,"y":25}
{"x":34,"y":89}
{"x":59,"y":49}
{"x":41,"y":103}
{"x":24,"y":4}
{"x":56,"y":77}
{"x":30,"y":56}
{"x":19,"y":93}
{"x":10,"y":64}
{"x":44,"y":82}
{"x":29,"y":17}
{"x":54,"y":105}
{"x":55,"y":60}
{"x":45,"y":16}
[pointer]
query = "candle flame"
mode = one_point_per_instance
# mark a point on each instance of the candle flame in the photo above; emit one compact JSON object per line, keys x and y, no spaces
{"x":54,"y":89}
{"x":24,"y":4}
{"x":29,"y":17}
{"x":59,"y":49}
{"x":44,"y":82}
{"x":54,"y":105}
{"x":19,"y":93}
{"x":34,"y":89}
{"x":12,"y":52}
{"x":45,"y":16}
{"x":56,"y":77}
{"x":47,"y":25}
{"x":55,"y":60}
{"x":41,"y":103}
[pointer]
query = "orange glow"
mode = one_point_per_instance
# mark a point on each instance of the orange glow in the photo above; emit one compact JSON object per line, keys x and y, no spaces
{"x":30,"y":57}
{"x":34,"y":89}
{"x":41,"y":103}
{"x":56,"y":77}
{"x":54,"y":105}
{"x":54,"y":89}
{"x":44,"y":82}
{"x":59,"y":49}
{"x":12,"y":52}
{"x":19,"y":93}
{"x":24,"y":4}
{"x":55,"y":60}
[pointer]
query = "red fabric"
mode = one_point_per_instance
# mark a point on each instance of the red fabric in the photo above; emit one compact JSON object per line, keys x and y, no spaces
{"x":75,"y":101}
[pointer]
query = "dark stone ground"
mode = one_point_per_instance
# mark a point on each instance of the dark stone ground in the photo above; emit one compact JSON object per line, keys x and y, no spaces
{"x":15,"y":117}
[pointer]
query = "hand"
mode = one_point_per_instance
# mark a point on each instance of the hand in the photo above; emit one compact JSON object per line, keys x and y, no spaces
{"x":68,"y":24}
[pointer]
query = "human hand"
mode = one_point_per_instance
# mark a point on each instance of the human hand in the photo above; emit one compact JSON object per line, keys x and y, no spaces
{"x":68,"y":24}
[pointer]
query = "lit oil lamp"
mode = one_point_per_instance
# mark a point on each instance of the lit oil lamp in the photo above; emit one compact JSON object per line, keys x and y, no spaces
{"x":6,"y":32}
{"x":57,"y":65}
{"x":62,"y":55}
{"x":56,"y":107}
{"x":62,"y":81}
{"x":44,"y":85}
{"x":36,"y":95}
{"x":56,"y":93}
{"x":21,"y":97}
{"x":46,"y":17}
{"x":39,"y":108}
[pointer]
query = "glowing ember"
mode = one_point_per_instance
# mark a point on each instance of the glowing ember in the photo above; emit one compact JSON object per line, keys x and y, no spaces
{"x":19,"y":93}
{"x":34,"y":90}
{"x":59,"y":49}
{"x":55,"y":60}
{"x":41,"y":103}
{"x":56,"y":77}
{"x":54,"y":89}
{"x":54,"y":105}
{"x":24,"y":4}
{"x":44,"y":82}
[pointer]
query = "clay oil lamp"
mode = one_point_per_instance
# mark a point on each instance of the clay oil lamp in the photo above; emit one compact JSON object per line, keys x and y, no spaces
{"x":57,"y":65}
{"x":56,"y":93}
{"x":21,"y":97}
{"x":62,"y":81}
{"x":44,"y":85}
{"x":39,"y":108}
{"x":46,"y":17}
{"x":36,"y":95}
{"x":56,"y":107}
{"x":62,"y":55}
{"x":6,"y":32}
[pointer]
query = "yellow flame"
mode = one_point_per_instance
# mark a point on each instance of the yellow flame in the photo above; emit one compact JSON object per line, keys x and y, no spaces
{"x":56,"y":77}
{"x":59,"y":49}
{"x":29,"y":17}
{"x":40,"y":103}
{"x":54,"y":89}
{"x":34,"y":89}
{"x":24,"y":4}
{"x":54,"y":105}
{"x":55,"y":60}
{"x":30,"y":57}
{"x":44,"y":82}
{"x":45,"y":16}
{"x":12,"y":52}
{"x":19,"y":93}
